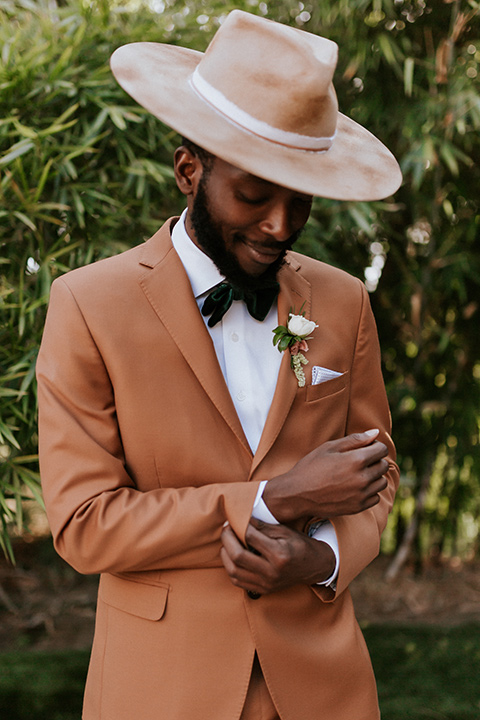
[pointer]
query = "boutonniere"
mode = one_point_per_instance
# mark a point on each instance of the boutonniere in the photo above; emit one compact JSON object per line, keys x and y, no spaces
{"x":294,"y":338}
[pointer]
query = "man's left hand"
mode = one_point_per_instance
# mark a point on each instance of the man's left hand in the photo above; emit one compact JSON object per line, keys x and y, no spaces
{"x":277,"y":558}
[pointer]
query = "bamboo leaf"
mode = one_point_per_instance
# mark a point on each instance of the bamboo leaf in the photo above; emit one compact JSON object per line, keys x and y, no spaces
{"x":408,"y":69}
{"x":387,"y":50}
{"x":29,"y":378}
{"x":79,"y":208}
{"x":59,"y":251}
{"x":6,"y":511}
{"x":6,"y":436}
{"x":361,"y":220}
{"x":16,"y":151}
{"x":101,"y":196}
{"x":56,"y":128}
{"x":8,"y":392}
{"x":20,"y":459}
{"x":26,"y":220}
{"x":32,"y":483}
{"x":449,"y":158}
{"x":5,"y":543}
{"x":117,"y":116}
{"x":25,"y":131}
{"x":43,"y":179}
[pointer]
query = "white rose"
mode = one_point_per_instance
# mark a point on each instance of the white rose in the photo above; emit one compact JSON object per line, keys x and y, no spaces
{"x":300,"y":326}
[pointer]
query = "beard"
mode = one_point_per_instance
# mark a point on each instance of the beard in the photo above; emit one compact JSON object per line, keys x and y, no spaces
{"x":209,"y":237}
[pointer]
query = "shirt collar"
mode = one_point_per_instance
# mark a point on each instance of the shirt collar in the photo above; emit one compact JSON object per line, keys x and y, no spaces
{"x":202,"y":272}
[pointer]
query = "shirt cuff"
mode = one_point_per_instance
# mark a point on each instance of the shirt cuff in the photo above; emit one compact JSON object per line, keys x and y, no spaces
{"x":325,"y":532}
{"x":260,"y":510}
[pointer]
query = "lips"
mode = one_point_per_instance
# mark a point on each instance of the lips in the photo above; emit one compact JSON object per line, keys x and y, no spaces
{"x":263,"y":254}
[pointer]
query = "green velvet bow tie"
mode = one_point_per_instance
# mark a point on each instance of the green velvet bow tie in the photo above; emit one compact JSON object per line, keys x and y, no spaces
{"x":258,"y":302}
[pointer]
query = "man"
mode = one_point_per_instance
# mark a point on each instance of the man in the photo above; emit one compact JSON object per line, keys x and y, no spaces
{"x":226,"y":500}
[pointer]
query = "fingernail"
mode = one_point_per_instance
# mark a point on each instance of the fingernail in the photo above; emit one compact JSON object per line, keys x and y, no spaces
{"x":226,"y":523}
{"x":371,"y":433}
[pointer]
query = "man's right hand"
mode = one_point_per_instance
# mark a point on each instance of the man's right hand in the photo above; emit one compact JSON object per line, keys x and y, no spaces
{"x":340,"y":477}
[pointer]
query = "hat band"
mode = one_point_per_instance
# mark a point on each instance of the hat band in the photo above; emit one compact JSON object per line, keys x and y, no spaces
{"x":258,"y":127}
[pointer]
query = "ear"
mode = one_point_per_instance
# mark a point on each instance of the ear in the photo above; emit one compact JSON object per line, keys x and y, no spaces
{"x":188,"y":170}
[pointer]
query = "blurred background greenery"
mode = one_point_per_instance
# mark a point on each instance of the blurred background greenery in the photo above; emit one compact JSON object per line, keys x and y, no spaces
{"x":86,"y":173}
{"x":422,"y":674}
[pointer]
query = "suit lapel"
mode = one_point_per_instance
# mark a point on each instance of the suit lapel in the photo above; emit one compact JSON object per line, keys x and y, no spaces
{"x":168,"y":290}
{"x":295,"y":292}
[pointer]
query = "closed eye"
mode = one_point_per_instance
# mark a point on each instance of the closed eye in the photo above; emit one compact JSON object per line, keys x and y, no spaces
{"x":252,"y":200}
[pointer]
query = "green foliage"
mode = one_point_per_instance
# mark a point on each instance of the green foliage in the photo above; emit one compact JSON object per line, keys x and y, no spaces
{"x":42,"y":686}
{"x":85,"y":173}
{"x":422,"y":674}
{"x":425,"y":673}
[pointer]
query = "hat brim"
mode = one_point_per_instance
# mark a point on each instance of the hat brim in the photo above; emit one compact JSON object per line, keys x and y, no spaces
{"x":357,"y":166}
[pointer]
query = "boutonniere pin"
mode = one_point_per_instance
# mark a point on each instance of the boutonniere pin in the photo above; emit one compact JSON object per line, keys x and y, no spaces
{"x":294,"y":338}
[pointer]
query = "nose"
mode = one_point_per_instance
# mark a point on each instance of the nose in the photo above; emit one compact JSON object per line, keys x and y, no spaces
{"x":276,"y":223}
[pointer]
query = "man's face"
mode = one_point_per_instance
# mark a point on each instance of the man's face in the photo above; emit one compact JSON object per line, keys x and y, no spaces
{"x":246,"y":224}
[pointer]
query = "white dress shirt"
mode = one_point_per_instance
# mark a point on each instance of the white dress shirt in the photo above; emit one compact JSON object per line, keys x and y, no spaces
{"x":248,"y":359}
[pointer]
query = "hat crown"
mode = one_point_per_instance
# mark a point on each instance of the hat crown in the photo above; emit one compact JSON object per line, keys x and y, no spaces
{"x":276,"y":74}
{"x":262,"y":99}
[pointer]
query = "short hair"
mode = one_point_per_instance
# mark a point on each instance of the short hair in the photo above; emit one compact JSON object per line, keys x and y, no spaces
{"x":205,"y":157}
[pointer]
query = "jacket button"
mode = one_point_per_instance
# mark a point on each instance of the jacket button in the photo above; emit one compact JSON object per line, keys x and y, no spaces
{"x":253,"y":595}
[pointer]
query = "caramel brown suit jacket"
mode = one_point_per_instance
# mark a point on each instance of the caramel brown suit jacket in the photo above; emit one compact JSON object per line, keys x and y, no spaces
{"x":143,"y":458}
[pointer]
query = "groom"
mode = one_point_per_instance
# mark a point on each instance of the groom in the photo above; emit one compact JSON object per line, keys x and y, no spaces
{"x":228,"y":489}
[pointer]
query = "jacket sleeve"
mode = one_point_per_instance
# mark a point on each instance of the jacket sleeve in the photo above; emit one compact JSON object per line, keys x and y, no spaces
{"x":100,"y":520}
{"x":359,"y":535}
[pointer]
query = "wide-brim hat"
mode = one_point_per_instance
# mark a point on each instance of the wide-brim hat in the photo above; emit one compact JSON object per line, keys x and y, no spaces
{"x":261,"y":98}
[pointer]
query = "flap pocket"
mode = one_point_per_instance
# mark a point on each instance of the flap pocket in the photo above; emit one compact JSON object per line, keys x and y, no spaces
{"x":329,"y":387}
{"x":135,"y":598}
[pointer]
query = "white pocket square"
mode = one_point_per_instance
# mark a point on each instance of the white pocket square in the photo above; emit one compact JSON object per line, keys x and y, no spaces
{"x":321,"y":374}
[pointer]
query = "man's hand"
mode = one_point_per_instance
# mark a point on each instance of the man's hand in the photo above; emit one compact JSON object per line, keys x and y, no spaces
{"x":285,"y":557}
{"x":340,"y":477}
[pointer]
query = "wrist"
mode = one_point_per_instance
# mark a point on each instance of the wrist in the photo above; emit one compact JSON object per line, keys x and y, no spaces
{"x":329,"y":564}
{"x":282,"y":503}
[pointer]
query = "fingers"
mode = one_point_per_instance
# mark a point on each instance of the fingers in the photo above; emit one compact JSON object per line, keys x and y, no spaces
{"x":361,"y":447}
{"x":270,"y":561}
{"x":372,"y":493}
{"x":353,"y":441}
{"x":264,"y":538}
{"x":368,"y":461}
{"x":240,"y":577}
{"x":375,"y":452}
{"x":359,"y":483}
{"x":243,"y":579}
{"x":240,"y":556}
{"x":374,"y":470}
{"x":245,"y":569}
{"x":262,"y":541}
{"x":375,"y":482}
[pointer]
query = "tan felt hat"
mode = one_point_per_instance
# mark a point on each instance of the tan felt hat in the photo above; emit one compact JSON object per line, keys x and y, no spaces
{"x":261,"y":97}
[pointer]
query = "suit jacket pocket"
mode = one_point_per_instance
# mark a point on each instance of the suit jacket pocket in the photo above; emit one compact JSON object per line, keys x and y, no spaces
{"x":324,"y":389}
{"x":136,"y":598}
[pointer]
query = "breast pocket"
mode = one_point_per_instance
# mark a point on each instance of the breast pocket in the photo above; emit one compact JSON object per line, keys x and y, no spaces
{"x":327,"y":388}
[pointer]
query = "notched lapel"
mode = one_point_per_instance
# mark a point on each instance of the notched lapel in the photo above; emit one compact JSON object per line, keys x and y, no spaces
{"x":168,"y":290}
{"x":295,"y":292}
